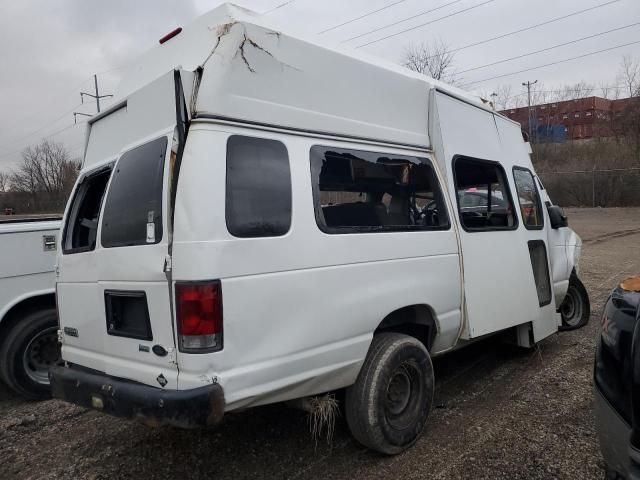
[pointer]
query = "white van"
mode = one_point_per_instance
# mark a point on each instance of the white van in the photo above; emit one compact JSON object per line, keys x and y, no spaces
{"x":262,"y":218}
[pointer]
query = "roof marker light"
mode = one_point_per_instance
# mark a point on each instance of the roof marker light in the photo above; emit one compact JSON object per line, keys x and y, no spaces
{"x":170,"y":35}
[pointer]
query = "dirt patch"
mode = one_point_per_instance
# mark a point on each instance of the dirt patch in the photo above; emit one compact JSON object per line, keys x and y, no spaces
{"x":501,"y":413}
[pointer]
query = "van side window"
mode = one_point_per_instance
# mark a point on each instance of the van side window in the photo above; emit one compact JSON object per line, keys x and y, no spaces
{"x":529,"y":199}
{"x":81,"y":229}
{"x":484,"y":200}
{"x":133,"y":210}
{"x":361,"y":191}
{"x":258,"y":197}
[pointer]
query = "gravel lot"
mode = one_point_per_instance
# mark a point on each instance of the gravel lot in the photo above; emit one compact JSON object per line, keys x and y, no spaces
{"x":502,"y":413}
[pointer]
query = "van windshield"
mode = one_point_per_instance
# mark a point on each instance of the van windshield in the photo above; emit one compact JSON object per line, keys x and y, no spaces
{"x":133,"y":209}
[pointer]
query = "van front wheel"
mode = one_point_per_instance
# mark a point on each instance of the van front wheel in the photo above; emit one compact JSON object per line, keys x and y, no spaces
{"x":388,"y":406}
{"x":575,"y":309}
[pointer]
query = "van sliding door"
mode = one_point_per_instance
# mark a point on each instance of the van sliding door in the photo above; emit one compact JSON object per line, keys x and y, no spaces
{"x":500,"y":289}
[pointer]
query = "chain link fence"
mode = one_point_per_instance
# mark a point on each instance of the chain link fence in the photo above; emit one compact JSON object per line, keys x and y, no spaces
{"x":617,"y":187}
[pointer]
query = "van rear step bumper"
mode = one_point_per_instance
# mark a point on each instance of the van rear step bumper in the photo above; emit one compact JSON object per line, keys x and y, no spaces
{"x":199,"y":407}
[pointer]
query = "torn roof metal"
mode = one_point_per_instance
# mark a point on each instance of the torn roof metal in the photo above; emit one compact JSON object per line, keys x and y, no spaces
{"x":255,"y":71}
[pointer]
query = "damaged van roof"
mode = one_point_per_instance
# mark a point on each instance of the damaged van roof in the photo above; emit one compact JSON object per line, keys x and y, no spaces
{"x":254,"y":71}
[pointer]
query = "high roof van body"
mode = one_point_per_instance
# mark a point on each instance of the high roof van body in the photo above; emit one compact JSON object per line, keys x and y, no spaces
{"x":262,"y":218}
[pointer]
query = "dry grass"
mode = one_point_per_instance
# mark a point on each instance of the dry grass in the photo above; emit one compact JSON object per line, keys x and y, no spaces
{"x":323,"y":412}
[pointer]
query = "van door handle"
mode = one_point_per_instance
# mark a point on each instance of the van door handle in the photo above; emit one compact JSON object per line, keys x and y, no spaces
{"x":48,"y":243}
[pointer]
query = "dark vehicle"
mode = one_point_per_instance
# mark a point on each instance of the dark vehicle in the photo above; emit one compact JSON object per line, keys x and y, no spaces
{"x":617,"y":382}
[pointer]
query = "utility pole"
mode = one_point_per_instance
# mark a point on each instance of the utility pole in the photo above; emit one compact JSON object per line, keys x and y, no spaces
{"x":494,"y":97}
{"x":97,"y":95}
{"x":529,"y":85}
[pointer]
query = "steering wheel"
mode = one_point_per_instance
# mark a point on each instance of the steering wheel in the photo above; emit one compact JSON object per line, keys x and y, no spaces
{"x":429,"y":213}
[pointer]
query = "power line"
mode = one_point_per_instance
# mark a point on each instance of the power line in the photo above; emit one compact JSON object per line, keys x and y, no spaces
{"x":549,"y":48}
{"x":96,"y":96}
{"x":57,"y":132}
{"x":531,"y":27}
{"x":115,"y":69}
{"x":587,"y":89}
{"x":361,"y":17}
{"x":428,"y":23}
{"x":552,"y":63}
{"x":47,"y":125}
{"x":401,"y":21}
{"x":283,"y":4}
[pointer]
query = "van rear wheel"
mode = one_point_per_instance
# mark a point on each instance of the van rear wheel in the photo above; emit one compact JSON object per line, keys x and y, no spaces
{"x":576,"y":308}
{"x":29,"y":349}
{"x":388,"y":406}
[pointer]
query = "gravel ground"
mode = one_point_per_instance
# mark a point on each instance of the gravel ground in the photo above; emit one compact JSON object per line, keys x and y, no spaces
{"x":501,"y":413}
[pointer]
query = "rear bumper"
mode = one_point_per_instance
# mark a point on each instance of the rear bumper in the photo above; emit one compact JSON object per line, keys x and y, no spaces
{"x":199,"y":407}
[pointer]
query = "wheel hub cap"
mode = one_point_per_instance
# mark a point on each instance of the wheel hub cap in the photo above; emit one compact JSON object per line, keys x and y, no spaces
{"x":42,"y":352}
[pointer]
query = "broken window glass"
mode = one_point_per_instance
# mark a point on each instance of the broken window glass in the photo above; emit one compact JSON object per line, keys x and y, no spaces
{"x":362,"y":191}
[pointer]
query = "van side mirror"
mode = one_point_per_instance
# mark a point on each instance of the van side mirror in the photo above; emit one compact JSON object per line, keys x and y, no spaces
{"x":557,"y":217}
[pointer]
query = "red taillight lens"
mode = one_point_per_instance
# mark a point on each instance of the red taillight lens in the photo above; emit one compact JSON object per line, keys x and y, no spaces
{"x":199,"y":316}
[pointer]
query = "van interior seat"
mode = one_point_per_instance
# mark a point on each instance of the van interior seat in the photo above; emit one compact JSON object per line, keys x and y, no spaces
{"x":398,"y":210}
{"x":358,"y":214}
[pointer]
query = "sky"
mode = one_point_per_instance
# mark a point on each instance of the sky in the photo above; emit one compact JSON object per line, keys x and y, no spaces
{"x":50,"y":50}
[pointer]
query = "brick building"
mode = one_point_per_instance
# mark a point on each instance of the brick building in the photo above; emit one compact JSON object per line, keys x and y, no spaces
{"x":582,"y":118}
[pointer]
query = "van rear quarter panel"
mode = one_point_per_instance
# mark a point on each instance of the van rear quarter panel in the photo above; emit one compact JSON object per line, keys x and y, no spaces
{"x":299,"y":310}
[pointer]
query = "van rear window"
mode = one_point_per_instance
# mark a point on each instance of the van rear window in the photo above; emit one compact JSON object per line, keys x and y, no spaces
{"x":133,"y":210}
{"x":81,"y":229}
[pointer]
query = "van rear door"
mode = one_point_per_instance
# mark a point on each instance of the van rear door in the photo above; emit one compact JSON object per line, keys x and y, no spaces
{"x":113,"y":288}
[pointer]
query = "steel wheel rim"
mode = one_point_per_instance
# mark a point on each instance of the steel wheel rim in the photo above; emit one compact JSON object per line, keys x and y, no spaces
{"x":42,"y":352}
{"x":571,"y":309}
{"x":400,"y":395}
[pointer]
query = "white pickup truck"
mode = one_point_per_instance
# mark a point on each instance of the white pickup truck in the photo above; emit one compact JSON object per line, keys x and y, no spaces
{"x":28,"y":321}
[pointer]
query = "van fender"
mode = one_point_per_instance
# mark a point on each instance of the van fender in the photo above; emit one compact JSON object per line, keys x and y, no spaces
{"x":574,"y":250}
{"x":419,"y":321}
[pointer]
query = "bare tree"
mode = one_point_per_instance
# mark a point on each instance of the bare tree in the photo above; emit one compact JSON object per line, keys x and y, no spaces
{"x":574,"y":91}
{"x":433,"y":59}
{"x":539,"y":94}
{"x":606,"y":90}
{"x":47,"y":173}
{"x":503,"y":97}
{"x":4,"y":182}
{"x":629,"y":75}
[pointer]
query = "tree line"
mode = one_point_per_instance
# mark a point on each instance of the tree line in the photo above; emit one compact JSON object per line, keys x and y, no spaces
{"x":437,"y":60}
{"x":41,"y":182}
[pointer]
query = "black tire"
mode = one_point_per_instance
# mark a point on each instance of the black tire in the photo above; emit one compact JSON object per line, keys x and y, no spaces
{"x":26,"y":352}
{"x":388,"y":406}
{"x":576,"y":308}
{"x":610,"y":474}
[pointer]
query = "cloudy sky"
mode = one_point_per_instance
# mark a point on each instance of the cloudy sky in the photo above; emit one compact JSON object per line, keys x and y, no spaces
{"x":51,"y":49}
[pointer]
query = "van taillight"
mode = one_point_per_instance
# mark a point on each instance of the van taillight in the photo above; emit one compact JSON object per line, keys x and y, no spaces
{"x":199,"y":316}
